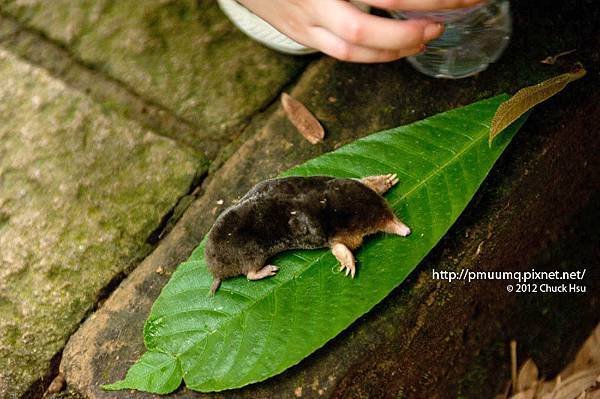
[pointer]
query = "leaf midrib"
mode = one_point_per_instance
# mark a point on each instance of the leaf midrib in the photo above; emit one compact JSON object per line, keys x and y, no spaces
{"x":430,"y":176}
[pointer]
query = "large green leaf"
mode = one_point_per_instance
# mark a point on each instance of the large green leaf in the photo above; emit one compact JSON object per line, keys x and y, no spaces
{"x":251,"y":331}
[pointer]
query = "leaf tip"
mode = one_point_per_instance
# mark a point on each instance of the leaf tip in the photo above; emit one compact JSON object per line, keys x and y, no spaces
{"x":153,"y":372}
{"x":528,"y":97}
{"x":115,"y":386}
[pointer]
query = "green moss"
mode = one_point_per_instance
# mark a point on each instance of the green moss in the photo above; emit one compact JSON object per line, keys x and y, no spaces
{"x":84,"y":189}
{"x":183,"y":55}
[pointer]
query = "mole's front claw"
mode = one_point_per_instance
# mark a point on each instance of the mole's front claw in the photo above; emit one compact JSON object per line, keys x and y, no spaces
{"x":393,"y":180}
{"x":381,"y":183}
{"x":350,"y":269}
{"x":345,"y":257}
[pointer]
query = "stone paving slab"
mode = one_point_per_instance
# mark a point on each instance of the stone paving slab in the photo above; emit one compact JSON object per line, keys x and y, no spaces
{"x":182,"y":54}
{"x":36,"y":49}
{"x":81,"y":190}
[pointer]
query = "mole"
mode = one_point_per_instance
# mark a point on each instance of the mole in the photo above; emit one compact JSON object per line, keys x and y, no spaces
{"x":299,"y":213}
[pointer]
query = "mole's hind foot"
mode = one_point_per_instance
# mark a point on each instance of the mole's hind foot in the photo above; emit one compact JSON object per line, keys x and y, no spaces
{"x":267,"y":271}
{"x":345,"y":257}
{"x":380,"y":184}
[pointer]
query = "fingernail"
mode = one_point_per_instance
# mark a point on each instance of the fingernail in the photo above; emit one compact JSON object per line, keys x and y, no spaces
{"x":433,"y":30}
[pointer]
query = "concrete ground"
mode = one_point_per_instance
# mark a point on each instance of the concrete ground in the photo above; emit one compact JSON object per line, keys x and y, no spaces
{"x":126,"y":127}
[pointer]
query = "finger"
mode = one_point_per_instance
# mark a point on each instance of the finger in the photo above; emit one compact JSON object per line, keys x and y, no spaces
{"x":357,"y":27}
{"x":421,"y":5}
{"x":336,"y":47}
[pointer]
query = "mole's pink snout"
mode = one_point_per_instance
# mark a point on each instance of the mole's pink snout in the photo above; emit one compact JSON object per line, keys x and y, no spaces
{"x":404,"y":230}
{"x":397,"y":227}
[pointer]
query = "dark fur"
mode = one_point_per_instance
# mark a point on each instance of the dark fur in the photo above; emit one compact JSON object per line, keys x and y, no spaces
{"x":292,"y":213}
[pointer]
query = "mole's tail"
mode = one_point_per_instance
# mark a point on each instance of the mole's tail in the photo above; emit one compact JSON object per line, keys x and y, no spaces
{"x":215,"y":286}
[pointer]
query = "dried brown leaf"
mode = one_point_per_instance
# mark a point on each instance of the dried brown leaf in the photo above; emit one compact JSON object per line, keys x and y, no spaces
{"x":57,"y":385}
{"x":302,"y":119}
{"x":529,"y":394}
{"x":588,"y":355}
{"x":529,"y":97}
{"x":528,"y":376}
{"x":513,"y":365}
{"x":580,"y":379}
{"x":594,"y":394}
{"x":576,"y":384}
{"x":551,"y":60}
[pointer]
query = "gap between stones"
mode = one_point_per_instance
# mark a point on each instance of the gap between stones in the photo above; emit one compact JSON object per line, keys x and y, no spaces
{"x":40,"y":50}
{"x":39,"y":387}
{"x":195,"y":192}
{"x":37,"y":48}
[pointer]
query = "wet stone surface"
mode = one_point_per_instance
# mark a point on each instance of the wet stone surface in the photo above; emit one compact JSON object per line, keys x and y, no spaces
{"x":80,"y":192}
{"x":184,"y":55}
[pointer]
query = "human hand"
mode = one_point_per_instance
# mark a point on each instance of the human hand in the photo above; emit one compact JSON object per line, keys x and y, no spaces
{"x":341,"y":30}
